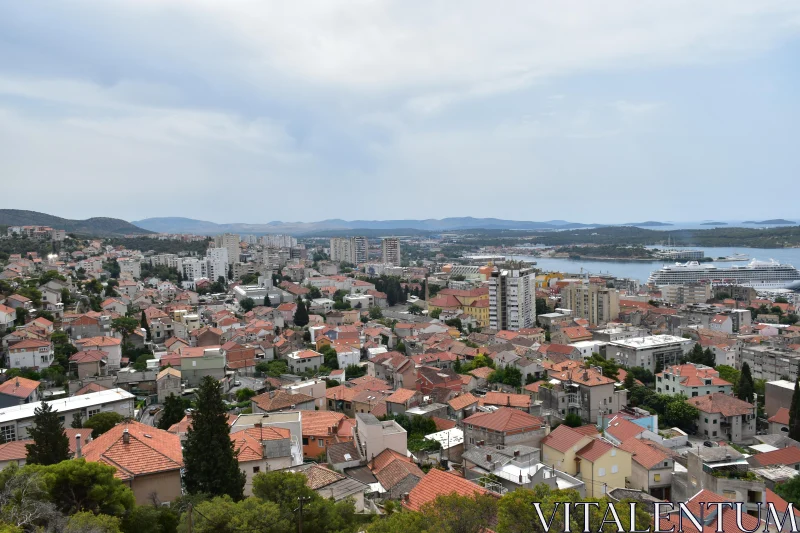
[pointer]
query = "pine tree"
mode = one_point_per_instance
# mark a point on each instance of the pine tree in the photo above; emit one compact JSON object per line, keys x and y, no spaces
{"x":145,"y":325}
{"x":209,"y":456}
{"x":629,"y":380}
{"x":77,"y":421}
{"x":746,"y":386}
{"x":173,"y":412}
{"x":794,"y":410}
{"x":50,"y":442}
{"x":301,"y":315}
{"x":709,"y":359}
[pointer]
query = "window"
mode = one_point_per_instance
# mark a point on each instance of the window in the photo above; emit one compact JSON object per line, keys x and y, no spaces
{"x":91,"y":412}
{"x":666,"y":463}
{"x":614,"y":469}
{"x":656,"y":477}
{"x":714,"y":434}
{"x":601,"y":472}
{"x":706,"y":419}
{"x":613,"y":452}
{"x":320,"y":443}
{"x":8,"y":433}
{"x":714,"y":421}
{"x":256,"y":469}
{"x":305,"y":441}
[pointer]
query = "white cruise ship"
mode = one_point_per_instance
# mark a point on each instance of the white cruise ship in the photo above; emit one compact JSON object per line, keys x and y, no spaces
{"x":756,"y":274}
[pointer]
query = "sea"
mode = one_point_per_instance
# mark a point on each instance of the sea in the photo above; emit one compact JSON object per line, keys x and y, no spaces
{"x":640,"y":270}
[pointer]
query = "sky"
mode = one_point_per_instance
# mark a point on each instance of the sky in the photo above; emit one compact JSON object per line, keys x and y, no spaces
{"x":257,"y":111}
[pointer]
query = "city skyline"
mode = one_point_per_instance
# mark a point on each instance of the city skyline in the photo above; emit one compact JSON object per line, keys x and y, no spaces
{"x":424,"y":111}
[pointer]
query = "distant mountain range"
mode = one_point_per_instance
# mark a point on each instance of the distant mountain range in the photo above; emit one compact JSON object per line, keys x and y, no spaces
{"x":202,"y":227}
{"x":770,"y":222}
{"x":99,"y":226}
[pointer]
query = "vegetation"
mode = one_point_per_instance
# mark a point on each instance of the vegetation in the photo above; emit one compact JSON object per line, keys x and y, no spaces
{"x":209,"y":455}
{"x":507,"y":376}
{"x":301,"y":315}
{"x":247,"y":304}
{"x":355,"y":371}
{"x":50,"y":443}
{"x":174,"y":411}
{"x":673,"y":410}
{"x":573,"y":420}
{"x":746,"y":386}
{"x":608,"y":366}
{"x":102,"y":422}
{"x":273,"y":368}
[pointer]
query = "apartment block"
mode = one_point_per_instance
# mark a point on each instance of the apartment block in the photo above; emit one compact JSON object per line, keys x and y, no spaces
{"x":512,"y":299}
{"x":390,"y":251}
{"x":595,"y":303}
{"x":230,"y":242}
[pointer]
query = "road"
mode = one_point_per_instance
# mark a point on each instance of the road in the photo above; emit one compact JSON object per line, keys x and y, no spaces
{"x":247,"y":382}
{"x":149,"y":419}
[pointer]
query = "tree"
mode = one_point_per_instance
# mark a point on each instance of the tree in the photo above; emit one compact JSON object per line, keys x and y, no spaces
{"x":223,"y":515}
{"x":401,"y":347}
{"x":573,"y":420}
{"x":301,"y":315}
{"x":86,"y":522}
{"x":435,"y":313}
{"x":24,"y":501}
{"x":746,"y":387}
{"x":790,"y":490}
{"x":244,"y":394}
{"x":77,"y":421}
{"x":729,"y":374}
{"x":680,"y":414}
{"x":174,"y":411}
{"x":247,"y":304}
{"x":102,"y":422}
{"x":794,"y":412}
{"x":629,"y":380}
{"x":209,"y":455}
{"x":375,"y":312}
{"x":50,"y":442}
{"x":78,"y":485}
{"x":145,"y":325}
{"x":125,"y":325}
{"x":414,"y":309}
{"x":541,"y":306}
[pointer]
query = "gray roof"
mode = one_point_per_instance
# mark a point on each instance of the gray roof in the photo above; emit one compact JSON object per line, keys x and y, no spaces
{"x":500,"y":457}
{"x":637,"y":496}
{"x":337,"y":452}
{"x":718,"y":454}
{"x":362,"y":474}
{"x":369,"y":419}
{"x":779,"y":441}
{"x":340,"y":490}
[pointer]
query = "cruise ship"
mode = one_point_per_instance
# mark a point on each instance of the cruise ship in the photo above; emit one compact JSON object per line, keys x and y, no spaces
{"x":757,"y":274}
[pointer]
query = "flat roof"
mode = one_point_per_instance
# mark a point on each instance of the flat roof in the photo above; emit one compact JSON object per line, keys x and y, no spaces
{"x":20,"y":412}
{"x":650,"y":341}
{"x":447,"y":438}
{"x":782,"y":383}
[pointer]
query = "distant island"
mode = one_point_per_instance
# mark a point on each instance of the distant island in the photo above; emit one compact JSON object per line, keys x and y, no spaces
{"x":770,"y":222}
{"x":648,"y":224}
{"x":714,"y":223}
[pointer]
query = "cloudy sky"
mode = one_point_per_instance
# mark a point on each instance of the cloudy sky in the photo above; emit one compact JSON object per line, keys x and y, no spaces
{"x":300,"y":111}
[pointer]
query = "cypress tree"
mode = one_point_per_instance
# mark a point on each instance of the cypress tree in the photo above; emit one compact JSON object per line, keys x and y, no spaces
{"x":145,"y":325}
{"x":173,"y":412}
{"x":209,"y":455}
{"x":301,"y":315}
{"x":746,"y":386}
{"x":794,"y":410}
{"x":50,"y":442}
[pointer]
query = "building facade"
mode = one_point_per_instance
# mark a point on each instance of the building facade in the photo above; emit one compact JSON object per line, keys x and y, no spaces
{"x":596,"y":303}
{"x":512,"y":304}
{"x":390,"y":251}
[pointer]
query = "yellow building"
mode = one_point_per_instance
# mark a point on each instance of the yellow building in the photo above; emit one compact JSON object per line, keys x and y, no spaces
{"x":543,"y":280}
{"x":596,"y":462}
{"x":479,"y":309}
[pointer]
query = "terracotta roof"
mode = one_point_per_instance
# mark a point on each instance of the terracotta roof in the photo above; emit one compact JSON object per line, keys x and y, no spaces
{"x":482,"y":372}
{"x":14,"y":450}
{"x":622,"y":429}
{"x":401,"y":396}
{"x":781,"y":417}
{"x":509,"y":400}
{"x":280,"y":400}
{"x":28,"y":344}
{"x":594,"y":450}
{"x":505,"y":419}
{"x":169,"y":371}
{"x":720,"y":402}
{"x":19,"y":387}
{"x":88,"y":356}
{"x":442,"y":423}
{"x":783,"y":456}
{"x":320,"y":423}
{"x":391,"y":468}
{"x":590,"y":430}
{"x":437,"y":483}
{"x":644,"y":454}
{"x":150,"y":450}
{"x":460,"y":402}
{"x":576,"y":332}
{"x":563,"y":438}
{"x":90,"y":387}
{"x":249,"y":442}
{"x":99,"y":341}
{"x":692,"y":376}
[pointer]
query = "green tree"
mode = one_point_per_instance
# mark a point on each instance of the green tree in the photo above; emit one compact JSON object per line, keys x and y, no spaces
{"x":77,"y":421}
{"x":174,"y":411}
{"x":355,"y":371}
{"x":608,"y":366}
{"x":224,"y":515}
{"x":301,"y":315}
{"x":573,"y":420}
{"x":50,"y":442}
{"x":400,"y":347}
{"x":247,"y":304}
{"x":680,"y":414}
{"x":209,"y":455}
{"x":375,"y":312}
{"x":125,"y":325}
{"x":78,"y":485}
{"x":729,"y":374}
{"x":414,"y":309}
{"x":435,"y":313}
{"x":746,"y":387}
{"x":145,"y":325}
{"x":790,"y":490}
{"x":86,"y":522}
{"x":242,"y":395}
{"x":102,"y":422}
{"x":629,"y":380}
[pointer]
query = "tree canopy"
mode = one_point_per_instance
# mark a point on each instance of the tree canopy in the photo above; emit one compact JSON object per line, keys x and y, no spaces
{"x":50,"y":442}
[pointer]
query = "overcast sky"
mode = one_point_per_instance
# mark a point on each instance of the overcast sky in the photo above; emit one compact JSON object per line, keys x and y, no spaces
{"x":364,"y":109}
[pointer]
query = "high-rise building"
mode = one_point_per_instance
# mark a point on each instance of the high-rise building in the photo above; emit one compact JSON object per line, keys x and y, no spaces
{"x":194,"y":268}
{"x":390,"y":251}
{"x":512,"y":299}
{"x":230,"y":242}
{"x":596,"y":303}
{"x":352,"y":250}
{"x":217,"y":263}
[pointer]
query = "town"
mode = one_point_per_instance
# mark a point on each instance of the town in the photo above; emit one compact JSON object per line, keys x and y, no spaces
{"x":388,"y":374}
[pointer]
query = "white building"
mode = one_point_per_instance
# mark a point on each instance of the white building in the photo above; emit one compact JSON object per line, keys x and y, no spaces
{"x":194,"y":269}
{"x":218,"y":260}
{"x":230,"y":242}
{"x":353,"y":250}
{"x":131,"y":266}
{"x":303,"y":360}
{"x":512,"y":304}
{"x":30,"y":353}
{"x":652,"y":353}
{"x":16,"y":420}
{"x":390,"y":251}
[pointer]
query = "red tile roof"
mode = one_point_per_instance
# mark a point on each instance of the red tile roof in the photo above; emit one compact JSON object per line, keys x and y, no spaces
{"x":783,"y":456}
{"x":509,"y":400}
{"x":644,"y":454}
{"x":442,"y":423}
{"x":90,"y":387}
{"x":29,"y":344}
{"x":150,"y":450}
{"x":401,"y":396}
{"x":279,"y":400}
{"x":14,"y":450}
{"x":460,"y":402}
{"x":437,"y":483}
{"x":594,"y":450}
{"x":781,"y":417}
{"x":320,"y":423}
{"x":720,"y":402}
{"x":505,"y":419}
{"x":692,"y":376}
{"x":563,"y":438}
{"x":622,"y":429}
{"x":19,"y":387}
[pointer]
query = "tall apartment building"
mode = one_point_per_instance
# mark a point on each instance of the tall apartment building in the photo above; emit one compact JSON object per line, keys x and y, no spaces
{"x":278,"y":241}
{"x":230,"y":242}
{"x":691,"y":293}
{"x":390,"y":251}
{"x":218,"y":260}
{"x":168,"y":260}
{"x":595,"y":303}
{"x":131,"y":266}
{"x":194,"y":268}
{"x":353,"y":250}
{"x":512,"y":302}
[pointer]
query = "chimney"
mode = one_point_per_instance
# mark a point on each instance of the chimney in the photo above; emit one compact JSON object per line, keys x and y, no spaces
{"x":78,"y":446}
{"x":126,"y":437}
{"x":508,"y":401}
{"x":516,"y":453}
{"x":405,"y":497}
{"x":488,"y":458}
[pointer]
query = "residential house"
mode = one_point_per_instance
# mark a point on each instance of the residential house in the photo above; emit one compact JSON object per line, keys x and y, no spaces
{"x":7,"y":317}
{"x":280,"y":400}
{"x":396,"y":473}
{"x":725,"y":417}
{"x":323,"y":428}
{"x":401,"y":400}
{"x":111,"y":345}
{"x":262,"y":449}
{"x":30,"y":353}
{"x":583,"y":391}
{"x":19,"y":390}
{"x":334,"y":485}
{"x":779,"y":422}
{"x":569,"y":335}
{"x":788,"y":456}
{"x":372,"y":436}
{"x":207,"y":336}
{"x":201,"y":361}
{"x":304,"y":360}
{"x":505,"y":426}
{"x":439,"y":483}
{"x":147,"y":459}
{"x":462,"y":406}
{"x":89,"y":363}
{"x":651,"y":467}
{"x":168,"y":382}
{"x":691,"y":380}
{"x":429,"y":378}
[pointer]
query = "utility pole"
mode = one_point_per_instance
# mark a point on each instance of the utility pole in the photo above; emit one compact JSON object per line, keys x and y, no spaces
{"x":189,"y":518}
{"x":302,"y":500}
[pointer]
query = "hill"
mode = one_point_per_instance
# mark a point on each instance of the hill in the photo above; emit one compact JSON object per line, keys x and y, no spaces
{"x":771,"y":222}
{"x":713,"y":223}
{"x":648,"y":224}
{"x":202,"y":227}
{"x":98,"y":226}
